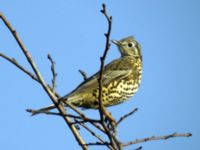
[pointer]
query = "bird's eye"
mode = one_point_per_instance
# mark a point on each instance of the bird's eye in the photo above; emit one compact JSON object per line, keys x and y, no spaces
{"x":130,"y":44}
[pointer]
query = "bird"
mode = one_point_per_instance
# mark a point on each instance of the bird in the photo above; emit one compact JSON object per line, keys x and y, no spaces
{"x":121,"y":79}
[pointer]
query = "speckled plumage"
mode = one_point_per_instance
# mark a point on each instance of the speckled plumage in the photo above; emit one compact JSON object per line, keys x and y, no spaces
{"x":121,"y":79}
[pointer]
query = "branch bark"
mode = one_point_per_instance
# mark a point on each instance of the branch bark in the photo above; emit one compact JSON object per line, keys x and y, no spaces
{"x":43,"y":83}
{"x":54,"y":74}
{"x":127,"y":115}
{"x":153,"y":138}
{"x":106,"y":124}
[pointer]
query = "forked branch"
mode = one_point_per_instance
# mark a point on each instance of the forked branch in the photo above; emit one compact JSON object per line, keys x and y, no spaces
{"x":106,"y":124}
{"x":41,"y":81}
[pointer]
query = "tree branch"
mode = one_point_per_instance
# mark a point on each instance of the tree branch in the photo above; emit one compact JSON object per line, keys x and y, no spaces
{"x":97,"y":136}
{"x":14,"y":62}
{"x":102,"y":59}
{"x":43,"y":83}
{"x":97,"y":144}
{"x":83,"y":73}
{"x":54,"y":74}
{"x":153,"y":138}
{"x":139,"y":148}
{"x":126,"y":115}
{"x":102,"y":110}
{"x":107,"y":124}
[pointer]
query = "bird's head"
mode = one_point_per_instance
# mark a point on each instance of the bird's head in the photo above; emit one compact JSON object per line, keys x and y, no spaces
{"x":128,"y":47}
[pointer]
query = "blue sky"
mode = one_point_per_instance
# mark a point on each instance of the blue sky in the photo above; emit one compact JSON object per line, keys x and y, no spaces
{"x":72,"y":32}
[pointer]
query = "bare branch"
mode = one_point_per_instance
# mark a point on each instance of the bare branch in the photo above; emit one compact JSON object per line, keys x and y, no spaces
{"x":106,"y":124}
{"x":53,"y":72}
{"x":97,"y":136}
{"x":153,"y":138}
{"x":20,"y":67}
{"x":85,"y":121}
{"x":97,"y":144}
{"x":83,"y":73}
{"x":14,"y":62}
{"x":32,"y":111}
{"x":139,"y":148}
{"x":43,"y":83}
{"x":102,"y":110}
{"x":102,"y":59}
{"x":126,"y":115}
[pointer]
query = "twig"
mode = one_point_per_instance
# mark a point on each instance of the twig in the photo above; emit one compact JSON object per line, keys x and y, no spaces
{"x":92,"y":133}
{"x":139,"y":148}
{"x":102,"y":109}
{"x":43,"y":83}
{"x":83,"y":73}
{"x":20,"y":67}
{"x":32,"y":111}
{"x":84,"y":121}
{"x":102,"y":124}
{"x":97,"y":136}
{"x":14,"y":62}
{"x":97,"y":144}
{"x":102,"y":59}
{"x":126,"y":115}
{"x":153,"y":138}
{"x":54,"y":74}
{"x":83,"y":116}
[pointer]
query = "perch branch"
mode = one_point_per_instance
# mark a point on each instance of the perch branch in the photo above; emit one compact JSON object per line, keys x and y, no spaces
{"x":106,"y":119}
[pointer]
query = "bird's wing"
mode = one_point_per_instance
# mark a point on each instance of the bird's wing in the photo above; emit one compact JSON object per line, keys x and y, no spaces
{"x":111,"y":72}
{"x":111,"y":75}
{"x":108,"y":76}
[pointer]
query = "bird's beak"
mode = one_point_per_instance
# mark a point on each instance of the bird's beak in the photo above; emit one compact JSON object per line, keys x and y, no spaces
{"x":118,"y":43}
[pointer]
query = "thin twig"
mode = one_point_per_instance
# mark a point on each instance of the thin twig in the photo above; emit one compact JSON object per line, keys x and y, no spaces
{"x":74,"y":108}
{"x":32,"y":111}
{"x":83,"y":73}
{"x":102,"y":59}
{"x":93,"y":133}
{"x":83,"y":116}
{"x":102,"y":109}
{"x":85,"y":121}
{"x":153,"y":138}
{"x":20,"y":67}
{"x":43,"y":83}
{"x":101,"y":124}
{"x":14,"y":62}
{"x":139,"y":148}
{"x":97,"y":144}
{"x":97,"y":136}
{"x":54,"y":74}
{"x":126,"y":115}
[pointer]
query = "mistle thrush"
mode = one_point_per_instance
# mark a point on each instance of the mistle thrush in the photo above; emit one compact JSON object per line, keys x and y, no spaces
{"x":121,"y":79}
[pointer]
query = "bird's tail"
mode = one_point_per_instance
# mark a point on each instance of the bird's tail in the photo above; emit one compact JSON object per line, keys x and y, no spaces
{"x":69,"y":97}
